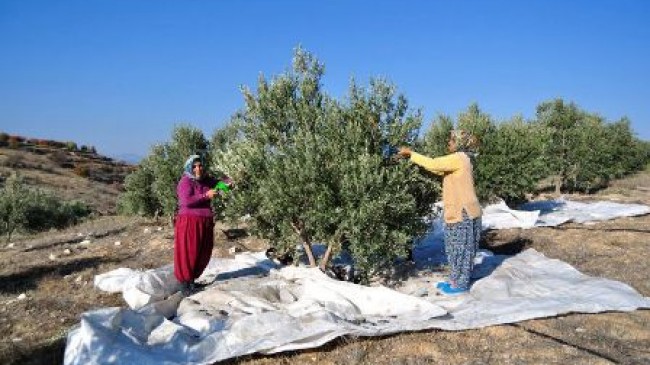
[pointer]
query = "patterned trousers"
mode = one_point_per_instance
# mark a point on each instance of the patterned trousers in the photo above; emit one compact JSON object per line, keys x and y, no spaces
{"x":461,"y":245}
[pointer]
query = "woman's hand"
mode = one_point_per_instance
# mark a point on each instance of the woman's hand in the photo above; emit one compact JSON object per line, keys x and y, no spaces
{"x":211,"y":193}
{"x":404,"y":152}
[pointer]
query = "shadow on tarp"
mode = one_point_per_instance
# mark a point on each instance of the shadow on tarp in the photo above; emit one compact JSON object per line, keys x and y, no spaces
{"x":544,"y":206}
{"x":235,"y":233}
{"x":428,"y":254}
{"x":248,"y":271}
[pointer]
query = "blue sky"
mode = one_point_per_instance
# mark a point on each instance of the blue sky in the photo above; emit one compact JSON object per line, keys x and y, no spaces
{"x":119,"y":74}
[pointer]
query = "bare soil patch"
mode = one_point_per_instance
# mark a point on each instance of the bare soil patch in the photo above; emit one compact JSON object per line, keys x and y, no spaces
{"x":46,"y":283}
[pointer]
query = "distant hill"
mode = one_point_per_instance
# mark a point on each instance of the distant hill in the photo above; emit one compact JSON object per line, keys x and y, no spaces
{"x":66,"y":169}
{"x":129,"y":158}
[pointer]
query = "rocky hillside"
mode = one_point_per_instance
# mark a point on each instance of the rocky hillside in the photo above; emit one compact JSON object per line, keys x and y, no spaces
{"x":65,"y":169}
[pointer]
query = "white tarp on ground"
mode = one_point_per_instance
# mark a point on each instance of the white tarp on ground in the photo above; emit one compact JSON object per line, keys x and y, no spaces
{"x":252,"y":306}
{"x":555,"y":212}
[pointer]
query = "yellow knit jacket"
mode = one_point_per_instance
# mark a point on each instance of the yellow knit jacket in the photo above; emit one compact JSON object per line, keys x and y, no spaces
{"x":458,"y":191}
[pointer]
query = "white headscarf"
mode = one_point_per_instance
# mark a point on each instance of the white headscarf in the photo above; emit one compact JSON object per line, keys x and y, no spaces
{"x":188,"y":169}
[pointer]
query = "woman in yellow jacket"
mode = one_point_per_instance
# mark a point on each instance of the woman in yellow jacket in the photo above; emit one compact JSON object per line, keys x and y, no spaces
{"x":462,"y":211}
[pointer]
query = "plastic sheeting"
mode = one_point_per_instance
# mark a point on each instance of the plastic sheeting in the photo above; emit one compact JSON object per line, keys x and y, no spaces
{"x":253,"y":306}
{"x":555,"y":212}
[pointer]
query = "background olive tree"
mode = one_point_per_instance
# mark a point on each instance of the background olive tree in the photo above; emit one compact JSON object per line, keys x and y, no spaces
{"x":584,"y":151}
{"x":138,"y":197}
{"x":511,"y":156}
{"x":434,"y":142}
{"x":512,"y":160}
{"x":151,"y":190}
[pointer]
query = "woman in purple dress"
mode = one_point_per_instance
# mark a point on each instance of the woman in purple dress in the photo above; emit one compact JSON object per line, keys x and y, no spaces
{"x":194,"y":224}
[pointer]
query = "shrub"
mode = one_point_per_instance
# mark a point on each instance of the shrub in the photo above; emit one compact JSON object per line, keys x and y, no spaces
{"x":14,"y":201}
{"x":14,"y":142}
{"x":46,"y":211}
{"x":14,"y":161}
{"x":82,"y":170}
{"x":32,"y":210}
{"x":71,"y":146}
{"x":60,"y":158}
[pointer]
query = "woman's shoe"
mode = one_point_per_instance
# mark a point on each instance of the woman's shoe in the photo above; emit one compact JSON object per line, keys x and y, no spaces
{"x":186,"y":289}
{"x":200,"y":286}
{"x":448,"y":290}
{"x":440,"y":284}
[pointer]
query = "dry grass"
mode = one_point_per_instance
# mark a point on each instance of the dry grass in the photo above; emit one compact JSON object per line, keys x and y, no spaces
{"x":59,"y":290}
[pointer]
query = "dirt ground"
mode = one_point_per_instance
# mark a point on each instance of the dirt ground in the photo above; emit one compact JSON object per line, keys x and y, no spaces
{"x":46,"y":283}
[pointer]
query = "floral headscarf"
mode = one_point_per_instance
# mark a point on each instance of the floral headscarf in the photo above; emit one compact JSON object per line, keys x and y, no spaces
{"x":465,"y":141}
{"x":187,"y":167}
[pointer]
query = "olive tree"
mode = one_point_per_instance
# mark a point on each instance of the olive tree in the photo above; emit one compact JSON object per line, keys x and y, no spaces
{"x":151,"y":190}
{"x":311,"y":169}
{"x":585,"y":150}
